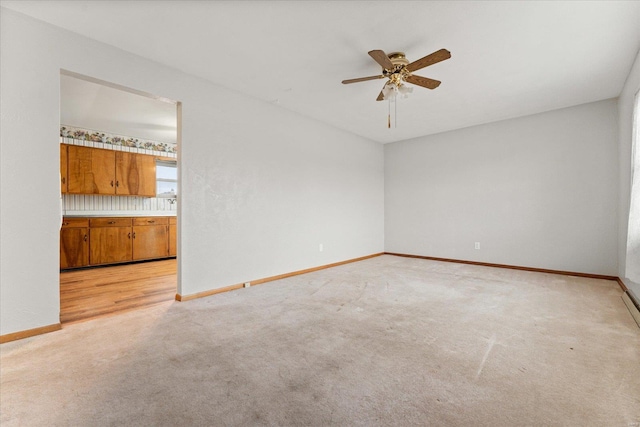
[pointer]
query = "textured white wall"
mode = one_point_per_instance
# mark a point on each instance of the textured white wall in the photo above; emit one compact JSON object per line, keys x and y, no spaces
{"x":628,"y":258}
{"x":633,"y":233}
{"x":537,"y":191}
{"x":261,"y":187}
{"x":267,"y":187}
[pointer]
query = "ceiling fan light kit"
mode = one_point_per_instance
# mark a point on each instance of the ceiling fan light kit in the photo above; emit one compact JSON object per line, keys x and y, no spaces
{"x":398,"y":70}
{"x":391,"y":90}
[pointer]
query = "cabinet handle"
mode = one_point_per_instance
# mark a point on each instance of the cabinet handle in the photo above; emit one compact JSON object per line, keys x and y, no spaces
{"x":134,"y":234}
{"x":85,"y":237}
{"x":111,"y":222}
{"x":117,"y":183}
{"x":150,"y":221}
{"x":64,"y":179}
{"x":65,"y":223}
{"x":129,"y":235}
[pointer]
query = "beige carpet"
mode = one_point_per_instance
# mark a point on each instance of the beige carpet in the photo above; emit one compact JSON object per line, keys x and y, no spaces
{"x":386,"y":341}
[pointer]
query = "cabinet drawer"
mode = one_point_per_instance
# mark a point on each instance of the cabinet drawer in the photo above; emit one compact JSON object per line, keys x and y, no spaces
{"x":75,"y":222}
{"x":110,"y":222}
{"x":151,"y":220}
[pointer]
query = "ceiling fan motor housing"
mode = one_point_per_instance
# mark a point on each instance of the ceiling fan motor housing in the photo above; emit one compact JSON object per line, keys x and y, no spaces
{"x":398,"y":58}
{"x":399,"y":72}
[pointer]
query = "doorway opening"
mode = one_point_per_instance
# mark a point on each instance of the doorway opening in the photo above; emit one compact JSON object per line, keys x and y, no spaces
{"x":119,"y":198}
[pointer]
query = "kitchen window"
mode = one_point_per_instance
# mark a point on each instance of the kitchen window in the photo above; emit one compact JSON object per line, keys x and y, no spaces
{"x":166,"y":179}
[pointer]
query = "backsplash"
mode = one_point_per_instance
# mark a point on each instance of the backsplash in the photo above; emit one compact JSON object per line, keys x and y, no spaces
{"x":85,"y":204}
{"x":74,"y":204}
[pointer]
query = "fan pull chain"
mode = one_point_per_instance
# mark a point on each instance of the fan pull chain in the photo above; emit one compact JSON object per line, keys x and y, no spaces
{"x":395,"y":113}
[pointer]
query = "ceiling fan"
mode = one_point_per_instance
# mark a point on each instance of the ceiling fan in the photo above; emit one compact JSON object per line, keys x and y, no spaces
{"x":398,"y":70}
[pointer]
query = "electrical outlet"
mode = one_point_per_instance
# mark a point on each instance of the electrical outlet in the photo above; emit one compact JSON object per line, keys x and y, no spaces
{"x":477,"y":245}
{"x":247,"y":284}
{"x":320,"y":248}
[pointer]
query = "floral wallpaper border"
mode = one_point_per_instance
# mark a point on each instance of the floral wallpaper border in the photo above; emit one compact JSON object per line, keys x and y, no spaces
{"x":107,"y":138}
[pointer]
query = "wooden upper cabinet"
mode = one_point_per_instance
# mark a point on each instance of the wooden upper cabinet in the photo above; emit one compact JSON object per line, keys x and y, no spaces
{"x":63,"y":168}
{"x":90,"y":170}
{"x":108,"y":172}
{"x":135,"y":174}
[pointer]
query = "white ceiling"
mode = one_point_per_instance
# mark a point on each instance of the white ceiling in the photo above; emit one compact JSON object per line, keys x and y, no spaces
{"x":94,"y":106}
{"x":509,"y":58}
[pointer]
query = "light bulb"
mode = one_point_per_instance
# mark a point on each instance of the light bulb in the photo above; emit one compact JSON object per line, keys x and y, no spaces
{"x":389,"y":91}
{"x":405,"y":90}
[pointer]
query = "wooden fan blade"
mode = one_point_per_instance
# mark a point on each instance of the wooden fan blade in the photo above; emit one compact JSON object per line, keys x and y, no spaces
{"x":362,"y":79}
{"x":423,"y":81}
{"x":431,"y":59}
{"x":381,"y":58}
{"x":381,"y":95}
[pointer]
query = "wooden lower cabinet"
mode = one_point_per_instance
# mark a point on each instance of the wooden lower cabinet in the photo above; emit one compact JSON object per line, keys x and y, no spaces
{"x":150,"y":238}
{"x":74,"y":243}
{"x":110,"y":245}
{"x":173,"y":236}
{"x":100,"y":241}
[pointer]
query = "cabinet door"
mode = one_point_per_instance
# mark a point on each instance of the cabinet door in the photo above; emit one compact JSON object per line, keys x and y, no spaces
{"x":173,"y":241}
{"x":110,"y":245}
{"x":74,"y":247}
{"x":150,"y":241}
{"x":63,"y":168}
{"x":90,"y":170}
{"x":135,"y":174}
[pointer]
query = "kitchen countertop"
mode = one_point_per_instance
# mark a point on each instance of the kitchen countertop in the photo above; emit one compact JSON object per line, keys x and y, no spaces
{"x":94,"y":214}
